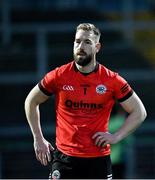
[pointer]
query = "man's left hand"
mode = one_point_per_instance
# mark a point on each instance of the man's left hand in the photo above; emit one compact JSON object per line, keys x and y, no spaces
{"x":104,"y":138}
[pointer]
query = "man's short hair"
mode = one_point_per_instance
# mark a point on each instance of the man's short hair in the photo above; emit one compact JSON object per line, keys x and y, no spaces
{"x":89,"y":27}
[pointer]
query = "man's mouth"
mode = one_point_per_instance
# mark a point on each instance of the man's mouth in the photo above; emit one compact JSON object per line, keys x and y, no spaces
{"x":81,"y":53}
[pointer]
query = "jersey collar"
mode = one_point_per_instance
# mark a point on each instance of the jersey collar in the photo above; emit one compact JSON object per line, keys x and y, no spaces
{"x":95,"y":69}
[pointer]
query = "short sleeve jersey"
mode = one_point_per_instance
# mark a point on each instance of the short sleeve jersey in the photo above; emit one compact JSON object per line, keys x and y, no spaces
{"x":83,"y":105}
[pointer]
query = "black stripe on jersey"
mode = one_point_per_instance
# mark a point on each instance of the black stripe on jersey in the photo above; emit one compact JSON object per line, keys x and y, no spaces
{"x":126,"y":96}
{"x":43,"y":89}
{"x":125,"y":89}
{"x":124,"y":86}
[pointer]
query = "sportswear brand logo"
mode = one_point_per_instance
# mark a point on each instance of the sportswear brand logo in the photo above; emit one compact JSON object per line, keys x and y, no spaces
{"x":68,"y":88}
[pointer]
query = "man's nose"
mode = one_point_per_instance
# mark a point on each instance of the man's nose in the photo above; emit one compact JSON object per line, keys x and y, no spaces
{"x":81,"y":45}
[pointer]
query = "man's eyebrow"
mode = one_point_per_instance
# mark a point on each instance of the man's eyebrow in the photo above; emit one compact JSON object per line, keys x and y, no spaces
{"x":87,"y":40}
{"x":78,"y":39}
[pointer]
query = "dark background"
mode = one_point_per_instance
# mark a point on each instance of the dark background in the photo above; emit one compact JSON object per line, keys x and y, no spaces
{"x":37,"y":36}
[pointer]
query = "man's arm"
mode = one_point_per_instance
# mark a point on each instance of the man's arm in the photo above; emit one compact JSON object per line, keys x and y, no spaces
{"x":41,"y":146}
{"x":137,"y":115}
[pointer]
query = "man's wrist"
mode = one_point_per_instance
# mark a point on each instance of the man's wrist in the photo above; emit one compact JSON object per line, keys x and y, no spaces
{"x":118,"y":136}
{"x":37,"y":137}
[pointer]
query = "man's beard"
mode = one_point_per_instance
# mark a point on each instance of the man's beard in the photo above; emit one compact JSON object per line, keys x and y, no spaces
{"x":83,"y":60}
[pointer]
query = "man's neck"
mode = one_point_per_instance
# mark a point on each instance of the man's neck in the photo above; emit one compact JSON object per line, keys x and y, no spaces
{"x":86,"y":69}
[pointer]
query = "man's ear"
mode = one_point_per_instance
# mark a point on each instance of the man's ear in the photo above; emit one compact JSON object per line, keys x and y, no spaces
{"x":98,"y":47}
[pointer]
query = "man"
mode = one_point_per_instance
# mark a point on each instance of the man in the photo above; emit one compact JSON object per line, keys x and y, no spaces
{"x":85,"y":93}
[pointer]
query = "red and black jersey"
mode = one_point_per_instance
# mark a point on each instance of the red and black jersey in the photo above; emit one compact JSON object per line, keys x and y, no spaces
{"x":83,"y":106}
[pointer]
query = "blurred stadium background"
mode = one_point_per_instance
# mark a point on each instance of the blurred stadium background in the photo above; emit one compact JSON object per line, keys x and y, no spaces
{"x":38,"y":35}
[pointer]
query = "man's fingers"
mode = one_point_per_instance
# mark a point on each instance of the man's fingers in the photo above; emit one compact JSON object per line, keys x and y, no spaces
{"x":98,"y":140}
{"x":39,"y":156}
{"x":96,"y":135}
{"x":42,"y":151}
{"x":36,"y":152}
{"x":101,"y":139}
{"x":44,"y":159}
{"x":48,"y":155}
{"x":101,"y":142}
{"x":51,"y":148}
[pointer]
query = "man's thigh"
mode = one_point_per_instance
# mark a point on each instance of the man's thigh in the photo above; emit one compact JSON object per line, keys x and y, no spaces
{"x":61,"y":166}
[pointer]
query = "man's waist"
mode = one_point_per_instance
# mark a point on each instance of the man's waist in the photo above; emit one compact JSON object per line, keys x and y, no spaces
{"x":81,"y":151}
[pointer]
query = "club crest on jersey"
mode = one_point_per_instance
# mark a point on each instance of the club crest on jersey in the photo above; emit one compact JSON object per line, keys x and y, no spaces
{"x":101,"y":89}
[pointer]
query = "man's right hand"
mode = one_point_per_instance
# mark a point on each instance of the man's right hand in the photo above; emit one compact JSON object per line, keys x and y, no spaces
{"x":42,"y":150}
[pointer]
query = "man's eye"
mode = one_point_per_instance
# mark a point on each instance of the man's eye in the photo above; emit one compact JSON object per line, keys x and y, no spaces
{"x":88,"y":42}
{"x":77,"y":42}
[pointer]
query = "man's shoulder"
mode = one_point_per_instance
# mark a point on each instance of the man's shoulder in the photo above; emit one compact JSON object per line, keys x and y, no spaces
{"x":108,"y":73}
{"x":63,"y":68}
{"x":66,"y":66}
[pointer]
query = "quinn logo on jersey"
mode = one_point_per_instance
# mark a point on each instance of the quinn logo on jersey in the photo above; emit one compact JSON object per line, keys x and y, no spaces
{"x":82,"y":105}
{"x":101,"y":89}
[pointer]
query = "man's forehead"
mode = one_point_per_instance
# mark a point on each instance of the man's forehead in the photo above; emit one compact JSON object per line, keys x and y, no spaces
{"x":81,"y":34}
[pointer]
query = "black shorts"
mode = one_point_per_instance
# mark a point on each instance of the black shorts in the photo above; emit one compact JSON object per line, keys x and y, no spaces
{"x":67,"y":167}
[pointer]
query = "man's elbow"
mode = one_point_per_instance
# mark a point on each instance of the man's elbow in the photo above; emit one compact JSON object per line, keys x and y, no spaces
{"x":27,"y":103}
{"x":143,"y":115}
{"x":30,"y":102}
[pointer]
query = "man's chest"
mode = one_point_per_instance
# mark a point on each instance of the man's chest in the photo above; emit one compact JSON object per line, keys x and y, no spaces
{"x":92,"y":91}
